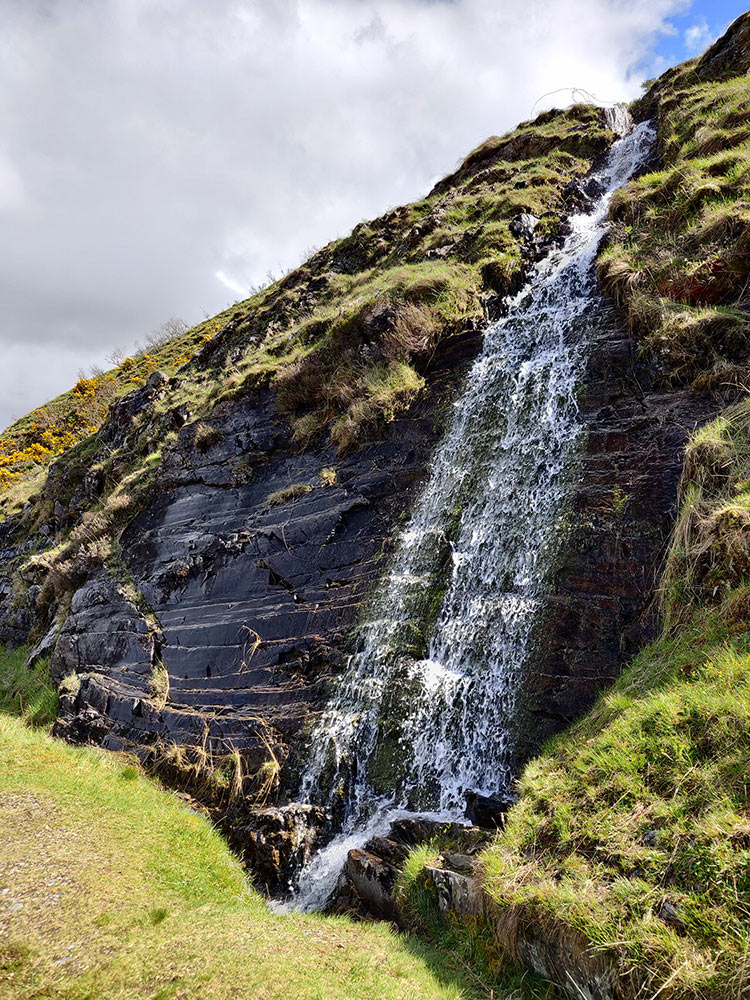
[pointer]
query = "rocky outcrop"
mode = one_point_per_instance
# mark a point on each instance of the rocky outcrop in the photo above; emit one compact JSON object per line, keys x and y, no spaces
{"x":275,"y":842}
{"x":367,"y":884}
{"x":368,"y":887}
{"x":249,"y":564}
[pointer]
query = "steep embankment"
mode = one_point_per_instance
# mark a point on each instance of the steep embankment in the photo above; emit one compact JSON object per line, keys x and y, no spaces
{"x":623,"y":868}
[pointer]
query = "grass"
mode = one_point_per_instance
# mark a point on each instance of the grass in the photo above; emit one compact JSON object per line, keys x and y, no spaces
{"x":110,"y":887}
{"x":678,"y":259}
{"x":26,"y":692}
{"x":287,"y":493}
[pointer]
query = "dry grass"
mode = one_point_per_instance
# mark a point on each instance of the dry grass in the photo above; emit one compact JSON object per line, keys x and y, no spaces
{"x":287,"y":493}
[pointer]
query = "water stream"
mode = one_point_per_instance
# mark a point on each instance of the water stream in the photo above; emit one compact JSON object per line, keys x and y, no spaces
{"x":426,"y":708}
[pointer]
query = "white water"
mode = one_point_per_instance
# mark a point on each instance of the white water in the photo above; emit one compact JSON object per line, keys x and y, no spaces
{"x":411,"y":727}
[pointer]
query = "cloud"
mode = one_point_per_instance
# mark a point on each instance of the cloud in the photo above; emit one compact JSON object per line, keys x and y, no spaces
{"x":698,"y":36}
{"x":157,"y":157}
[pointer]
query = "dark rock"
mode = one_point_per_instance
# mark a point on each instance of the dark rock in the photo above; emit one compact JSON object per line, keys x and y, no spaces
{"x":366,"y":884}
{"x":45,"y":647}
{"x":461,"y":863}
{"x":389,"y":850}
{"x":487,"y":811}
{"x":599,"y":608}
{"x":276,"y":842}
{"x":415,"y":830}
{"x":672,"y":916}
{"x":457,"y":894}
{"x":366,"y":888}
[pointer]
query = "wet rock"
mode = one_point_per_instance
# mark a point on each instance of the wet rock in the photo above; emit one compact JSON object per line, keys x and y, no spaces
{"x":277,"y":841}
{"x":487,"y":811}
{"x":415,"y":830}
{"x":523,"y":226}
{"x":388,"y":849}
{"x":367,"y":883}
{"x":599,"y":609}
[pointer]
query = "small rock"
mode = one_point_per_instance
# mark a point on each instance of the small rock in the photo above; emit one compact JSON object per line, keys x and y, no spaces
{"x":670,"y":914}
{"x":487,"y":811}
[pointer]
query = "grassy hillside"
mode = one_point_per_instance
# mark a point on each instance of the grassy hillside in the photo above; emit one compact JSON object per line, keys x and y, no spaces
{"x":678,"y":261}
{"x":112,"y":887}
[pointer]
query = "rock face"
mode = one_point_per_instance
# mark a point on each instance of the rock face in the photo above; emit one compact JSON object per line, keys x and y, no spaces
{"x":602,"y":604}
{"x":250,"y":564}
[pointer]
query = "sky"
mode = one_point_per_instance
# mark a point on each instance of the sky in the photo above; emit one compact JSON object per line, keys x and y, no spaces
{"x":162,"y":157}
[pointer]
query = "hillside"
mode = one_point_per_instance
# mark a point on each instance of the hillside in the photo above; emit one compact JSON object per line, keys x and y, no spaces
{"x":139,"y":898}
{"x":199,"y":548}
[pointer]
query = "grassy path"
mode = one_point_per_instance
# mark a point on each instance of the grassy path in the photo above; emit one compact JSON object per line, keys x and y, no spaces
{"x":111,"y":888}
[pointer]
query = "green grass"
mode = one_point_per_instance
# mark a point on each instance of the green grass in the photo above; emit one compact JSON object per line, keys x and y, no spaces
{"x":111,"y":887}
{"x":678,"y":259}
{"x":27,"y":693}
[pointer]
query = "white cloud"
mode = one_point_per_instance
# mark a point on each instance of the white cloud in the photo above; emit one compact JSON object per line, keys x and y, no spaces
{"x":698,"y":36}
{"x":172,"y":152}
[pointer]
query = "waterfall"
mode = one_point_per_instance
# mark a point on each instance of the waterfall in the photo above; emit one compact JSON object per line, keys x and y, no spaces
{"x":426,"y":707}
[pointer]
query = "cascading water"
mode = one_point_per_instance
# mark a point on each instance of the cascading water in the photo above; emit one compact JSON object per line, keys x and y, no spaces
{"x":420,"y":718}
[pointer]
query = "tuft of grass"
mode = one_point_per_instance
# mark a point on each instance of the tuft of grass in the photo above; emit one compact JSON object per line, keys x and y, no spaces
{"x":288,"y":493}
{"x":159,"y":686}
{"x":27,"y":691}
